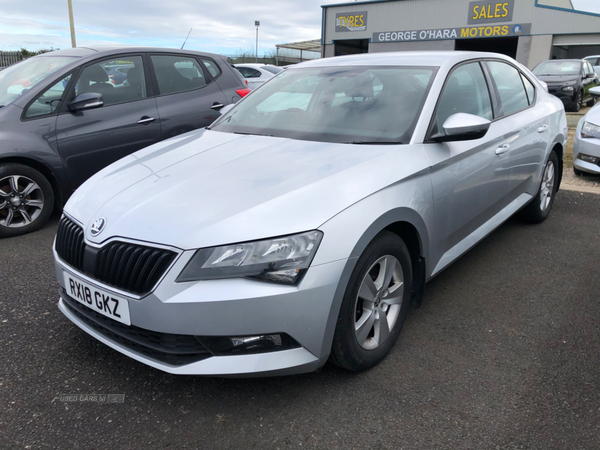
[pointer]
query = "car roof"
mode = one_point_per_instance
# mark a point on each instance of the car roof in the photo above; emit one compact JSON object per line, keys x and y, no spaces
{"x":422,"y":58}
{"x":99,"y":50}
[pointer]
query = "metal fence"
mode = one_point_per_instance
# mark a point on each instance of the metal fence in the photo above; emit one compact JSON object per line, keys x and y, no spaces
{"x":8,"y":58}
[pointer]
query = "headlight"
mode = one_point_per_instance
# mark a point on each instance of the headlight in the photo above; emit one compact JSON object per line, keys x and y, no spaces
{"x":569,"y":83}
{"x":280,"y":260}
{"x":589,"y":130}
{"x":567,"y":89}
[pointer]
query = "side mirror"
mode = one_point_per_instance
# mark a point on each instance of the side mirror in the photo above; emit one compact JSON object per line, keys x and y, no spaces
{"x":463,"y":127}
{"x":87,"y":100}
{"x":225,"y":109}
{"x":590,"y":75}
{"x":595,"y":91}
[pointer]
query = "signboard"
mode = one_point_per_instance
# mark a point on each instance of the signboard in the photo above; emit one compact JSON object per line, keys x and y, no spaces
{"x":490,"y":11}
{"x":453,"y":33}
{"x":354,"y":21}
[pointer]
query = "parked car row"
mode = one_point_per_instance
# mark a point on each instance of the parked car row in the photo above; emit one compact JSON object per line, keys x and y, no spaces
{"x":300,"y":225}
{"x":570,"y":80}
{"x":67,"y":114}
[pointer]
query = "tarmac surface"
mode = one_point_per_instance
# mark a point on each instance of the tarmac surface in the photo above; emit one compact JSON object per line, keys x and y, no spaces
{"x":503,"y":354}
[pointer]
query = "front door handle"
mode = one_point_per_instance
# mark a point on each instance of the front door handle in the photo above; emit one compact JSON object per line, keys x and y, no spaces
{"x":216,"y":106}
{"x":145,"y":119}
{"x":543,"y":128}
{"x":502,"y":149}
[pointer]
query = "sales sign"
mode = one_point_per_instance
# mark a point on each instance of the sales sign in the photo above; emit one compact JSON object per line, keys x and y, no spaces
{"x":490,"y":11}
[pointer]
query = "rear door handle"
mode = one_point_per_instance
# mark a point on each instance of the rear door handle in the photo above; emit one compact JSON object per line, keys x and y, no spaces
{"x":502,"y":149}
{"x":145,"y":119}
{"x":217,"y":106}
{"x":543,"y":128}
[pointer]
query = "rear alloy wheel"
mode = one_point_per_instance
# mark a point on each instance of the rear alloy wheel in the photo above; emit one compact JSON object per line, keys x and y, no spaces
{"x":375,"y":304}
{"x":578,"y":102}
{"x":26,"y":200}
{"x":539,"y":208}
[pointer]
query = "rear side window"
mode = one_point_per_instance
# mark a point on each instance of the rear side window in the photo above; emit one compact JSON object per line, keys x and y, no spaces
{"x":247,"y":72}
{"x":465,"y":92}
{"x":212,"y":67}
{"x":529,"y":88}
{"x":510,"y":87}
{"x":177,"y":73}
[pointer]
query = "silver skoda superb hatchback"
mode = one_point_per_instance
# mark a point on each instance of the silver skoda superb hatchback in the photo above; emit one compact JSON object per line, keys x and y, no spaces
{"x":300,"y":226}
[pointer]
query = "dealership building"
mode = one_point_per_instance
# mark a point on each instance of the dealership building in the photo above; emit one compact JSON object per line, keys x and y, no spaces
{"x":530,"y":31}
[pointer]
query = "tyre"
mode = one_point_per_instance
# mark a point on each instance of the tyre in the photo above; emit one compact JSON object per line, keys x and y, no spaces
{"x":538,"y":209}
{"x":375,"y":304}
{"x":577,"y":172}
{"x":591,"y":102}
{"x":578,"y":102}
{"x":26,"y":200}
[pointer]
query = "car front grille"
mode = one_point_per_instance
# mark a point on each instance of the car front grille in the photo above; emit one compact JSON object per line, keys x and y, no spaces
{"x":130,"y":267}
{"x":173,"y":349}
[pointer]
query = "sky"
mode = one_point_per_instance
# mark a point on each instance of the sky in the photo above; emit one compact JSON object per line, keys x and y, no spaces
{"x":219,"y":26}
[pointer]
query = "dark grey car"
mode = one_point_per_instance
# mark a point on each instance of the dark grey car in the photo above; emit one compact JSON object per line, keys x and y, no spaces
{"x":63,"y":118}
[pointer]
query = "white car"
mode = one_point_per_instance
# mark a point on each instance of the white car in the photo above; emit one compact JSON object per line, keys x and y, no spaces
{"x":586,"y":143}
{"x":595,"y":62}
{"x":257,"y":74}
{"x":301,"y":225}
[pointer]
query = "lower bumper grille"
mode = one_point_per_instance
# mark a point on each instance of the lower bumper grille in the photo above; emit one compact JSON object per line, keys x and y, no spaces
{"x":173,"y":349}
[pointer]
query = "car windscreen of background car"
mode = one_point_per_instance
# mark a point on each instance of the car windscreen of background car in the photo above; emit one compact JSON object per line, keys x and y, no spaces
{"x":16,"y":80}
{"x":558,"y":68}
{"x":359,"y":105}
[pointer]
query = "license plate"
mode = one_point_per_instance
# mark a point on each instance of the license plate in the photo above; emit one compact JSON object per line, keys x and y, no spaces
{"x":99,"y":300}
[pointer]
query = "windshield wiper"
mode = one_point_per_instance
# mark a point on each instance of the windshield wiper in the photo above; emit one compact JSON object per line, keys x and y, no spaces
{"x":252,"y":134}
{"x":373,"y":143}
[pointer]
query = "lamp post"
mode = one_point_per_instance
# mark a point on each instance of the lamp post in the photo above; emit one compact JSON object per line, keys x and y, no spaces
{"x":73,"y":43}
{"x":256,"y":24}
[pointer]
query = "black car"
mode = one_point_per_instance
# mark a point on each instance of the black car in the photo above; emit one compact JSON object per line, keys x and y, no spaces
{"x":570,"y":80}
{"x":62,"y":119}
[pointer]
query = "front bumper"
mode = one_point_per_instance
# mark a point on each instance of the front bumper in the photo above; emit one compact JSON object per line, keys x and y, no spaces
{"x":587,"y":146}
{"x":568,"y":98}
{"x":234,"y":307}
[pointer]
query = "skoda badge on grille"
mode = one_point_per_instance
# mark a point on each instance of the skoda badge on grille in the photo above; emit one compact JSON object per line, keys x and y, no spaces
{"x":98,"y":226}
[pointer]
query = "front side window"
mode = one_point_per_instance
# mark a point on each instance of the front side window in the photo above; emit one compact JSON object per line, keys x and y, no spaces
{"x":19,"y":78}
{"x":48,"y":102}
{"x":466,"y":91}
{"x":356,"y":105}
{"x":510,"y":87}
{"x":177,"y":73}
{"x":126,"y":84}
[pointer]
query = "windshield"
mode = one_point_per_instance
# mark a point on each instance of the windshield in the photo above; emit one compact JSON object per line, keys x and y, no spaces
{"x":19,"y":78}
{"x":558,"y":68}
{"x":272,"y":69}
{"x":355,"y":105}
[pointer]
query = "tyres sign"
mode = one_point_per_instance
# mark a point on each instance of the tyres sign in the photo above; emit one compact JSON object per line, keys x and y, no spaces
{"x":352,"y":21}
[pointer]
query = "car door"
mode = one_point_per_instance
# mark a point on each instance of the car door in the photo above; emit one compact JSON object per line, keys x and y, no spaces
{"x":524,"y":148}
{"x":126,"y":121}
{"x":188,"y":98}
{"x":468,"y":190}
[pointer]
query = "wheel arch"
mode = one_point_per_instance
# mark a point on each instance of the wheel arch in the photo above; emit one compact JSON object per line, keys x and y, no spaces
{"x":44,"y":170}
{"x":410,"y":227}
{"x":558,"y":148}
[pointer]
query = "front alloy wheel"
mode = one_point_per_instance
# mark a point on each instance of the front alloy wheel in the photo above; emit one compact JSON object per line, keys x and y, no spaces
{"x":26,"y":200}
{"x":375,"y":304}
{"x":378,"y":302}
